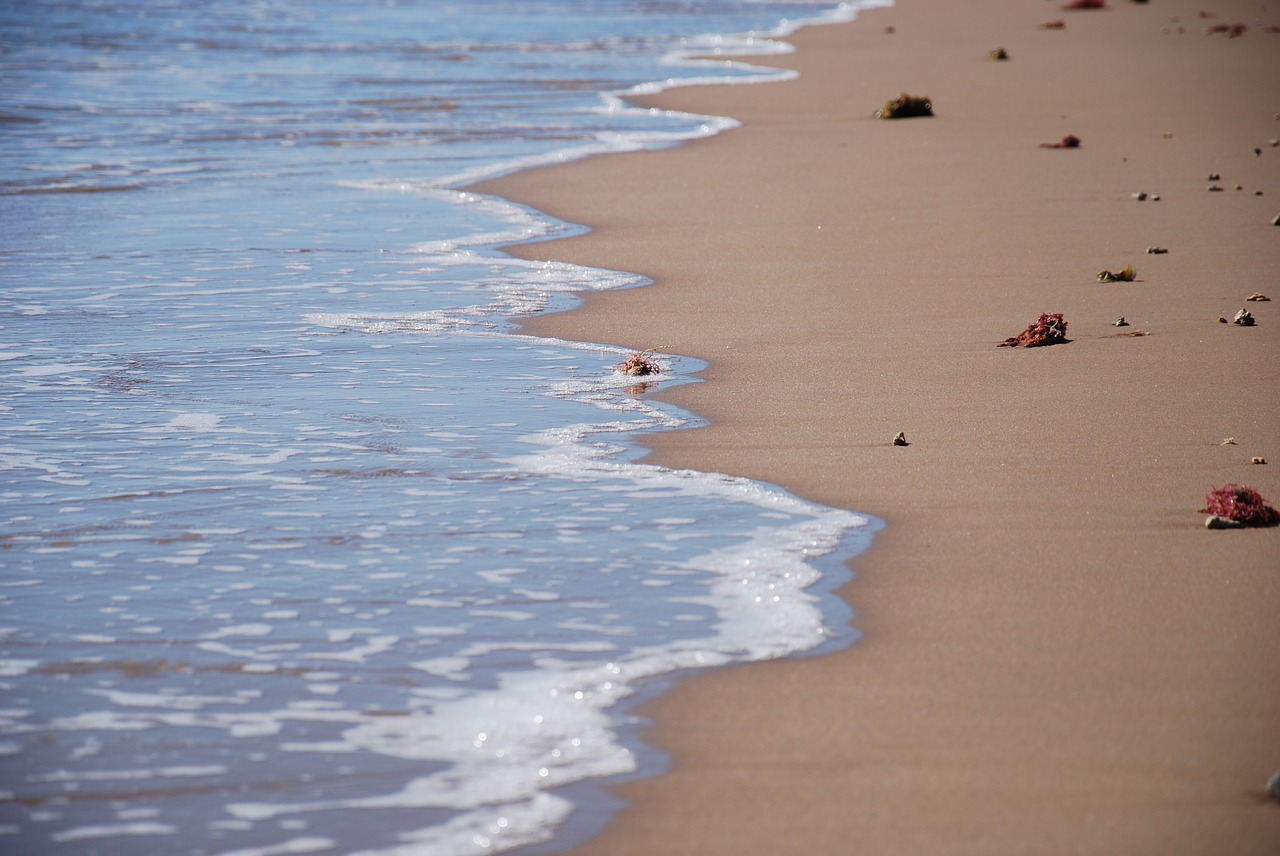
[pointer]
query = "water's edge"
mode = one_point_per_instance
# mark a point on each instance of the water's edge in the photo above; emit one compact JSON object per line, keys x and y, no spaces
{"x":595,"y":801}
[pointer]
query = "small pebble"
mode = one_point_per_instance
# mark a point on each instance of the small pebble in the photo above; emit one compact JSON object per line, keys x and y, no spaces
{"x":1257,"y":460}
{"x":1244,"y":318}
{"x":1216,"y":522}
{"x":1213,"y":176}
{"x":1213,"y":188}
{"x":1222,"y":320}
{"x":1228,"y":441}
{"x":1275,"y":221}
{"x":1273,"y":786}
{"x":1156,"y":251}
{"x":1257,"y":153}
{"x":1140,"y":196}
{"x":1120,"y":322}
{"x":901,"y":439}
{"x":1258,"y":297}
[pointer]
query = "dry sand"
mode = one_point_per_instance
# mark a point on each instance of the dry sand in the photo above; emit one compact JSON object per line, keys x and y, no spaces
{"x":1057,"y":657}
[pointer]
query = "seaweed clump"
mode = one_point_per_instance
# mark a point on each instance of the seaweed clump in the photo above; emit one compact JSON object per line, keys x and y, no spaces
{"x":640,"y":364}
{"x":1070,"y":141}
{"x":1232,"y":31}
{"x":1086,"y":4}
{"x":1127,"y":275}
{"x":1237,"y":505}
{"x":1049,"y":329}
{"x":905,"y":106}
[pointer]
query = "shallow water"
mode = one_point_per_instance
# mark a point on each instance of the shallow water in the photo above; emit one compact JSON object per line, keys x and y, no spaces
{"x":303,"y":548}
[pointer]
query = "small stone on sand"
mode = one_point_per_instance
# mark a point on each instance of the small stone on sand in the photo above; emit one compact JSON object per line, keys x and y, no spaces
{"x":901,"y":439}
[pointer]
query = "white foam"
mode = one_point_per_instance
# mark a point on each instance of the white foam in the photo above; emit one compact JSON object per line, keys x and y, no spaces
{"x":310,"y":844}
{"x":81,"y":833}
{"x":492,"y":831}
{"x":15,"y":668}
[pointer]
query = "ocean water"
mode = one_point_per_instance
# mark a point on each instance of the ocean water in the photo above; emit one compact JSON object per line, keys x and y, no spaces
{"x":303,"y":547}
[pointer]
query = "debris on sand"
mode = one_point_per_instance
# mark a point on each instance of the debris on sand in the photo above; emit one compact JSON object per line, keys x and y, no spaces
{"x":1049,"y":329}
{"x":1233,"y":31}
{"x":1236,"y":505}
{"x":1070,"y":141}
{"x":640,"y":363}
{"x":1129,"y":274}
{"x":1258,"y":297}
{"x":905,"y":106}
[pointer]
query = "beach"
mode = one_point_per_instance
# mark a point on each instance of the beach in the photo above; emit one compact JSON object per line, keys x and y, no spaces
{"x":1056,"y":656}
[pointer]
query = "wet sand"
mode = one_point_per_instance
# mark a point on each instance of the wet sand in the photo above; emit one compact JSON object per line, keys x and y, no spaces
{"x":1056,"y":656}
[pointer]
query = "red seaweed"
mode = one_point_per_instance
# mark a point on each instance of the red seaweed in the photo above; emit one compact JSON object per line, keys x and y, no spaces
{"x":1233,"y":31}
{"x":640,"y":363}
{"x":1070,"y":141}
{"x":1240,"y":504}
{"x":1086,"y":4}
{"x":1049,"y":329}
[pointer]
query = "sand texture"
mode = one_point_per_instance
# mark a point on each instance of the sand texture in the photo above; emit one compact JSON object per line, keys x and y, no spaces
{"x":1057,"y":657}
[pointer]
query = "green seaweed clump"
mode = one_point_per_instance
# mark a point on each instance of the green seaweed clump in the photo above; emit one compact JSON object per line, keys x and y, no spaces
{"x":1127,"y":275}
{"x":905,"y":106}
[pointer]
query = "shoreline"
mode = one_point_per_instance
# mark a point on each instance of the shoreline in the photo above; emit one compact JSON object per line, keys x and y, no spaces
{"x":1055,"y":655}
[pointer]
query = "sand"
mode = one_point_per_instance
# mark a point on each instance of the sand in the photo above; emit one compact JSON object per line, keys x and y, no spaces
{"x":1056,"y":656}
